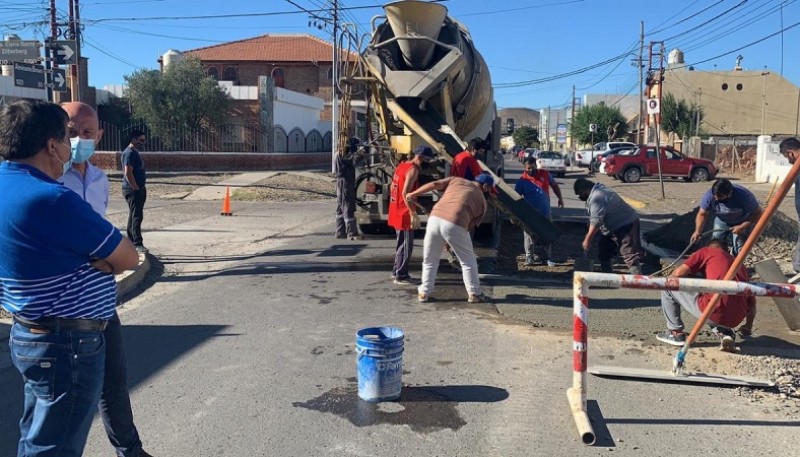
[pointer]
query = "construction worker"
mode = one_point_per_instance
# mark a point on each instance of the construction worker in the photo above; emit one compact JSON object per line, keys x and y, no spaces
{"x":459,"y":210}
{"x":736,"y":210}
{"x":790,"y":148}
{"x":531,"y":180}
{"x":346,"y":162}
{"x":465,"y":163}
{"x":617,"y":223}
{"x":401,"y":209}
{"x":712,"y":262}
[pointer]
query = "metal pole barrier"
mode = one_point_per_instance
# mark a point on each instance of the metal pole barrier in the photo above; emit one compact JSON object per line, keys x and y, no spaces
{"x":580,"y":331}
{"x":581,"y":281}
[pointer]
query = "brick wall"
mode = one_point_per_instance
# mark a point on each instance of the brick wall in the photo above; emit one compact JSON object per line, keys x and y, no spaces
{"x":188,"y":161}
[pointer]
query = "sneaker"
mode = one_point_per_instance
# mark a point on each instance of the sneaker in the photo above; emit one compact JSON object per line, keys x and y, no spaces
{"x":727,"y":344}
{"x":551,"y":264}
{"x":340,"y":237}
{"x":405,"y":281}
{"x":480,"y":298}
{"x":672,"y":337}
{"x":142,"y":249}
{"x":422,"y":297}
{"x":356,"y":237}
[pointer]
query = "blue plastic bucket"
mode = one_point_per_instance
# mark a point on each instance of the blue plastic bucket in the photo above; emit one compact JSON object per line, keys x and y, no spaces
{"x":379,"y":363}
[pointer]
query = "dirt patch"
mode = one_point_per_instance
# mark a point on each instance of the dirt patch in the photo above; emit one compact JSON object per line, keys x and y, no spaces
{"x":777,"y":241}
{"x":169,"y":185}
{"x":287,"y":188}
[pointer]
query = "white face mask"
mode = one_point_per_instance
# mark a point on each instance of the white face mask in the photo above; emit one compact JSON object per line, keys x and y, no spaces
{"x":82,"y":149}
{"x":66,"y":164}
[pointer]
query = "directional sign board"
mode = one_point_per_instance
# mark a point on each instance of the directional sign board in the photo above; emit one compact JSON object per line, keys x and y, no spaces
{"x":64,"y":52}
{"x":653,"y":106}
{"x":58,"y":80}
{"x":27,"y":75}
{"x":19,"y":51}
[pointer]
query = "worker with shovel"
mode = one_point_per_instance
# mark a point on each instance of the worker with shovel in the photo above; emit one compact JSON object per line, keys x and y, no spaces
{"x":617,"y":223}
{"x":712,"y":262}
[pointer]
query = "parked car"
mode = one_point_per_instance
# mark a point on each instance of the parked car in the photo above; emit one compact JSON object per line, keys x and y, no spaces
{"x":598,"y":164}
{"x":630,"y":167}
{"x":584,"y":158}
{"x":530,"y":152}
{"x":551,"y":161}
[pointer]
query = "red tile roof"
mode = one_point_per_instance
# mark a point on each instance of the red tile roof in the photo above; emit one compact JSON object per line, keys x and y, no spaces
{"x":268,"y":48}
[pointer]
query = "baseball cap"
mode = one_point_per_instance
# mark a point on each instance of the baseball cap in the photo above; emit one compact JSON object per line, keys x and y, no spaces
{"x":425,"y":152}
{"x":485,"y":178}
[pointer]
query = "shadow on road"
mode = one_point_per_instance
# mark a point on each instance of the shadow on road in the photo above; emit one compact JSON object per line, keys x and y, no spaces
{"x":149,"y":348}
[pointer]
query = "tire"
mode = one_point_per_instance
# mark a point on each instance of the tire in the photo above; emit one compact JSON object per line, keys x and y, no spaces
{"x":632,"y":175}
{"x":700,"y":174}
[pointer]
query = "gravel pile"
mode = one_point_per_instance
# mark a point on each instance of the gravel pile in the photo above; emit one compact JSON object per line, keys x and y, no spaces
{"x":784,"y":372}
{"x":777,"y":241}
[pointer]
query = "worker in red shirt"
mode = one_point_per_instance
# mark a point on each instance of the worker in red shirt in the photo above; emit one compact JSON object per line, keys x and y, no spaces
{"x":465,"y":163}
{"x":402,"y":209}
{"x":544,"y":180}
{"x":713,"y":262}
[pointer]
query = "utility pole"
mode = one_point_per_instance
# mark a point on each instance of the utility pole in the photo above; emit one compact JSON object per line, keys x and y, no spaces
{"x":640,"y":63}
{"x":48,"y":61}
{"x":334,"y":95}
{"x":571,"y":117}
{"x":697,"y":113}
{"x":764,"y":101}
{"x":74,"y":34}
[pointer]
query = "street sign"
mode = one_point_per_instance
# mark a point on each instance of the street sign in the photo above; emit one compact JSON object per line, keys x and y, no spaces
{"x":18,"y":51}
{"x":653,"y":106}
{"x":58,"y":80}
{"x":592,"y":128}
{"x":27,"y":75}
{"x":561,"y":133}
{"x":64,"y":52}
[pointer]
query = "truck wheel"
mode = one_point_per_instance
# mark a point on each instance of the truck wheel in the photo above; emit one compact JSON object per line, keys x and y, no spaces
{"x":700,"y":174}
{"x":632,"y":174}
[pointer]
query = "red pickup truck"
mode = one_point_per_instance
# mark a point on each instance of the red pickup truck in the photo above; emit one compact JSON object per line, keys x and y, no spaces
{"x":643,"y":162}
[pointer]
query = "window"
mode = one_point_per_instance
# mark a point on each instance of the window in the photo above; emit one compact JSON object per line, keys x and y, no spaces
{"x":739,"y":86}
{"x":651,"y":153}
{"x":229,"y":74}
{"x":330,"y":73}
{"x":672,"y":155}
{"x":724,"y":86}
{"x":277,"y":75}
{"x":212,"y":71}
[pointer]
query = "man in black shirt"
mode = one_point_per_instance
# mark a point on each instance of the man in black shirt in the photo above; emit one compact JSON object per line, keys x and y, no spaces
{"x":346,"y":163}
{"x":133,"y":187}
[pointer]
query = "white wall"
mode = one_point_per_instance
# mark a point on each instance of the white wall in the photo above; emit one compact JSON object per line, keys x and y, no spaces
{"x":293,"y":109}
{"x":769,"y":161}
{"x":10,"y":92}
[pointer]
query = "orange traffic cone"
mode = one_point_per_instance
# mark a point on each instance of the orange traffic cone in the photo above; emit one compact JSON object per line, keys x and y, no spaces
{"x":226,"y":203}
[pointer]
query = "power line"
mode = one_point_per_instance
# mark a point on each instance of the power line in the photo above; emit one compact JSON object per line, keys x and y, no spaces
{"x":562,"y":75}
{"x":686,"y":18}
{"x":719,"y":16}
{"x":484,"y":13}
{"x":700,"y":34}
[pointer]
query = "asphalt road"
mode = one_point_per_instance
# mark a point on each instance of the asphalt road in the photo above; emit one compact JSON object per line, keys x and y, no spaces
{"x":242,"y":344}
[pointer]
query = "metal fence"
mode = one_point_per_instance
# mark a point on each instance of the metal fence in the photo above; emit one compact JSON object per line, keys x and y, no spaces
{"x":222,"y":138}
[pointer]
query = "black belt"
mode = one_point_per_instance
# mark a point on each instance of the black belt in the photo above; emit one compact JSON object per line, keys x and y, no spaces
{"x":60,"y":323}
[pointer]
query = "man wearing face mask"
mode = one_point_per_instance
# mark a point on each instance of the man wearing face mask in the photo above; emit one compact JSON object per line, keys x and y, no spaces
{"x":56,"y":278}
{"x":736,"y":210}
{"x":133,"y":187}
{"x":617,"y":223}
{"x":91,"y":184}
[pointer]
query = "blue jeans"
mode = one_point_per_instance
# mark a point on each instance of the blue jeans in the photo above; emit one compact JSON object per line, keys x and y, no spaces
{"x":63,"y":375}
{"x":722,"y":231}
{"x":115,"y":402}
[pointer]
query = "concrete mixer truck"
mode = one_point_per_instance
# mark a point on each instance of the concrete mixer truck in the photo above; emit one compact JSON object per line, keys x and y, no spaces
{"x":426,"y":84}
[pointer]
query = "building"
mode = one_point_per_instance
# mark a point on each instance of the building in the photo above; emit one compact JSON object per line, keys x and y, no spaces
{"x":736,"y":102}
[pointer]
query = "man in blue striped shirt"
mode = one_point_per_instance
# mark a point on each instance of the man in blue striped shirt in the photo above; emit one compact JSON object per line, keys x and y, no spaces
{"x":56,"y":278}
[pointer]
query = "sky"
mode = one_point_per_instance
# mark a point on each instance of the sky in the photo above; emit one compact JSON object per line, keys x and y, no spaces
{"x":536,"y":50}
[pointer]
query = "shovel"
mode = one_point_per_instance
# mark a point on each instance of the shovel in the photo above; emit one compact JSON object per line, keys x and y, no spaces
{"x":584,"y":263}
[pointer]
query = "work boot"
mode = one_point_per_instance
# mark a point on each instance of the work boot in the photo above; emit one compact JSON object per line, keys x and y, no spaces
{"x":636,"y":269}
{"x":605,"y":266}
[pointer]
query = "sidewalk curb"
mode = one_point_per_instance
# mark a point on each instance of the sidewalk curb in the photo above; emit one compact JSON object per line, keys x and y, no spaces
{"x":126,"y":283}
{"x":638,"y":204}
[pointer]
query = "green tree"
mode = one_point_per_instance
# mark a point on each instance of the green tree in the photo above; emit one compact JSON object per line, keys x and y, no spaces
{"x":611,"y":124}
{"x":178,"y":102}
{"x":525,"y":136}
{"x":679,"y":117}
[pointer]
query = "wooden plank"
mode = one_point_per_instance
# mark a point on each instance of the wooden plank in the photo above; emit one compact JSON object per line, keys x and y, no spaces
{"x":685,"y":377}
{"x":769,"y":271}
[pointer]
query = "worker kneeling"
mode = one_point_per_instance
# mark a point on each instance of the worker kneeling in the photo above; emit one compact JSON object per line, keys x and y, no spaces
{"x":713,"y":262}
{"x":460,"y":209}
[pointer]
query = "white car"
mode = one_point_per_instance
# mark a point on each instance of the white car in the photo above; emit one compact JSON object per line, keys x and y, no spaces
{"x":583,"y":158}
{"x":551,"y":161}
